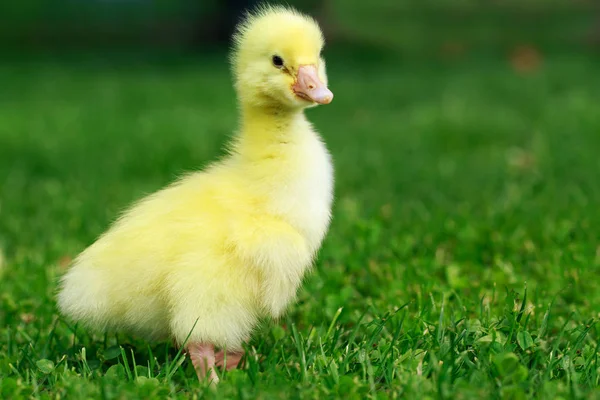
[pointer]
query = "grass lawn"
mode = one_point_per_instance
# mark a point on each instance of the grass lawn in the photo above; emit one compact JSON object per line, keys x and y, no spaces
{"x":462,"y":262}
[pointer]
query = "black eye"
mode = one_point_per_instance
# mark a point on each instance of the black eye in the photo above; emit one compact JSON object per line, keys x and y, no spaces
{"x":277,"y":61}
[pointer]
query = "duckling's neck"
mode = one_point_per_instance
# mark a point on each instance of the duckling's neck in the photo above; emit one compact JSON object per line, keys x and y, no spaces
{"x":266,"y":127}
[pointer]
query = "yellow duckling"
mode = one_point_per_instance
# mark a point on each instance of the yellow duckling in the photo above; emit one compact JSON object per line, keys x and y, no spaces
{"x":216,"y":250}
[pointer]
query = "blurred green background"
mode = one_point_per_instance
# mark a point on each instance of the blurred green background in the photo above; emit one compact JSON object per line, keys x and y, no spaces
{"x":399,"y":24}
{"x":464,"y":250}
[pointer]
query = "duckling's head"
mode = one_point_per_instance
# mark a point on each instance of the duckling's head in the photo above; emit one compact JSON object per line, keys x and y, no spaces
{"x":277,"y":60}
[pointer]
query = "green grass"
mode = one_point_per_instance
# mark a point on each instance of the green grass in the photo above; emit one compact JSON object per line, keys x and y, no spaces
{"x":462,"y":262}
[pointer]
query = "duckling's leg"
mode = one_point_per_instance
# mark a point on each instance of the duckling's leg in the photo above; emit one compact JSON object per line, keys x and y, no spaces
{"x":203,"y":358}
{"x":233,"y":359}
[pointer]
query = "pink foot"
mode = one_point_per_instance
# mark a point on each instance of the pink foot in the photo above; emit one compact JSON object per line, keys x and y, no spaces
{"x":233,"y":359}
{"x":203,"y":358}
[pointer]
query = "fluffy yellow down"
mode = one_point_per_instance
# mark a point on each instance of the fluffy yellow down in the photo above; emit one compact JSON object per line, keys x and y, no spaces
{"x":219,"y":248}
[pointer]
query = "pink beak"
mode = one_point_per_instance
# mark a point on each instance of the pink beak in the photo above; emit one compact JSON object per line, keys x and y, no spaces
{"x":309,"y":86}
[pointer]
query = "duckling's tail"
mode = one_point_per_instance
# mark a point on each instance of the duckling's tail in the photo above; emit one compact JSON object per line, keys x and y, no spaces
{"x":82,"y":297}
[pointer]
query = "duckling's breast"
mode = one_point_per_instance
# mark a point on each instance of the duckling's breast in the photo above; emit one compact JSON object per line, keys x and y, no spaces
{"x":303,"y":191}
